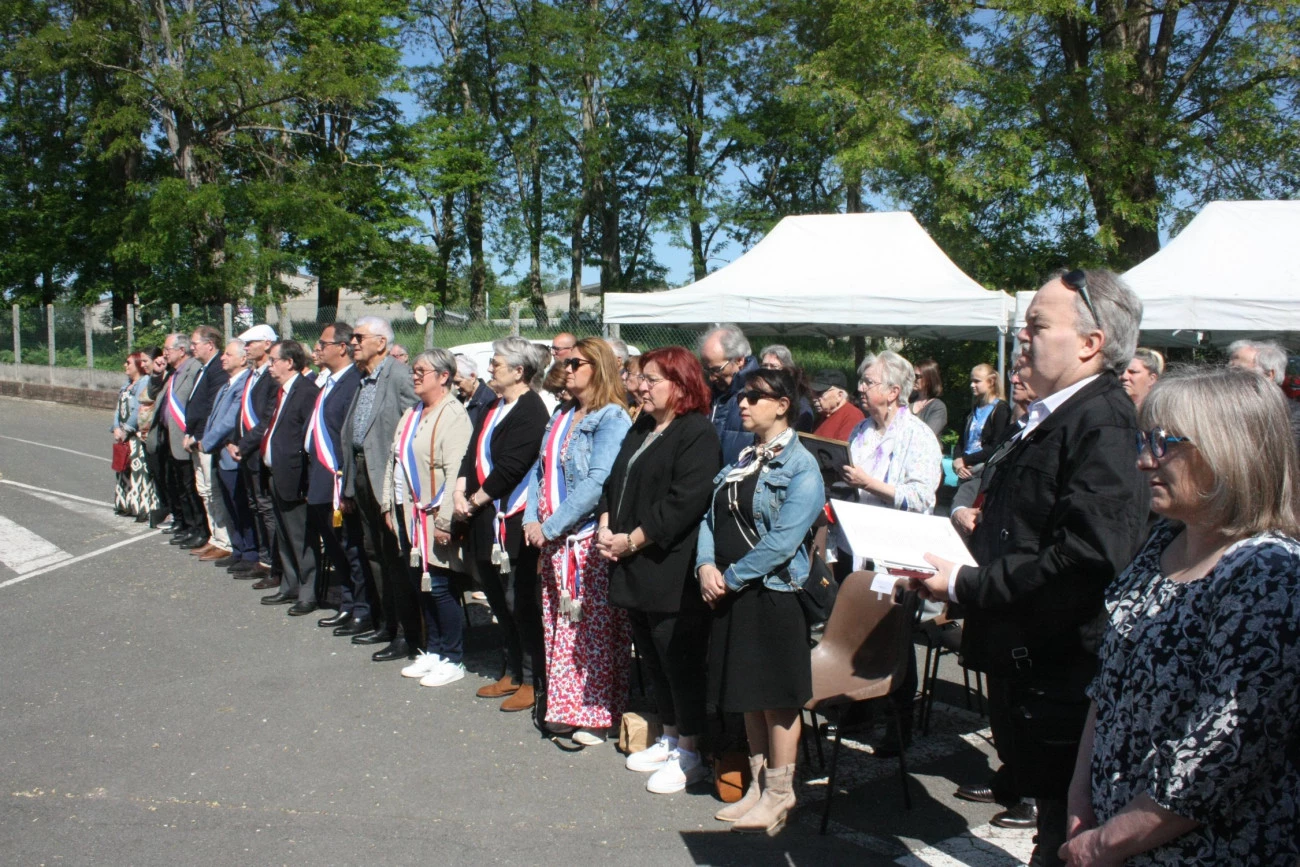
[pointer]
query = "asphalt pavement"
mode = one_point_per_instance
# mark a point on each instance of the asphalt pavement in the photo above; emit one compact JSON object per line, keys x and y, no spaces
{"x":152,"y":712}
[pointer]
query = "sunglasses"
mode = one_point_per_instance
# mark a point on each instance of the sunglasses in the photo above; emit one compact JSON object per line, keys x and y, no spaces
{"x":1157,"y":441}
{"x":1078,"y":281}
{"x":574,"y":363}
{"x":754,"y":395}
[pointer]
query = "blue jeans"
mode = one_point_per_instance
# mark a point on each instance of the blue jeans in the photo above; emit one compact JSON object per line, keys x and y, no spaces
{"x":444,"y":622}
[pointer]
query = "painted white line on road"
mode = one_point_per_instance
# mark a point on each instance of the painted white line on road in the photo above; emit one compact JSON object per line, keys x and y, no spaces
{"x":93,"y":509}
{"x":101,"y":503}
{"x":59,"y":448}
{"x":23,"y":551}
{"x":79,"y":558}
{"x":982,"y":846}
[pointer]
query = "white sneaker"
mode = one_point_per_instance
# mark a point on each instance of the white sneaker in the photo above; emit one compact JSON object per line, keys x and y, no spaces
{"x":424,"y":663}
{"x":653,"y":757}
{"x":445,"y":673}
{"x":681,"y":770}
{"x":589,"y":737}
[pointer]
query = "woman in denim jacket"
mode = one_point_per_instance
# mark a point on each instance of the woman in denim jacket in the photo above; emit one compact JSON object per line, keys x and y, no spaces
{"x":751,"y":560}
{"x":587,"y":640}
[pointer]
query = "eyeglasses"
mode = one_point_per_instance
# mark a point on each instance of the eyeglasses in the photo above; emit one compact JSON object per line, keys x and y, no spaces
{"x":1157,"y":441}
{"x":754,"y":395}
{"x":556,"y":350}
{"x":1078,"y":281}
{"x":714,"y":371}
{"x":868,"y":383}
{"x":651,"y":380}
{"x":420,"y":373}
{"x":574,"y":363}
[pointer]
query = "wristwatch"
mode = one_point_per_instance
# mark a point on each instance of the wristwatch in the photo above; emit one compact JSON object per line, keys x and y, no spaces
{"x":631,"y":546}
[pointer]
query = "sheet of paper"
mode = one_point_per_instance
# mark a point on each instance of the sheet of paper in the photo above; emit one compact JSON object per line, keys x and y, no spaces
{"x":899,"y":539}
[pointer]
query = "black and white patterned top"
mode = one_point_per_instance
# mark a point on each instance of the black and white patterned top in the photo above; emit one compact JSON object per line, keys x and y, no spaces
{"x":1198,"y":702}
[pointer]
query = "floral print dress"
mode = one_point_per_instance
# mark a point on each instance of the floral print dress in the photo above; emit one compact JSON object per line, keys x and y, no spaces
{"x":1197,"y":699}
{"x":587,"y":662}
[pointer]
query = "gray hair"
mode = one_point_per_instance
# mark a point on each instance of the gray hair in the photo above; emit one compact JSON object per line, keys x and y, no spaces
{"x":441,"y":360}
{"x":1119,"y":316}
{"x":1151,"y":359}
{"x":377,"y":325}
{"x":782,"y":353}
{"x":734,"y":344}
{"x":1241,"y":427}
{"x":519,"y":352}
{"x":896,"y":370}
{"x":1271,"y":359}
{"x":239,"y":346}
{"x":466,"y":366}
{"x":619,"y":347}
{"x":182,"y":341}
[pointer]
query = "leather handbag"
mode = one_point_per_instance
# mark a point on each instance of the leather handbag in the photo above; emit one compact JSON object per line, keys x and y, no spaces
{"x":121,"y":457}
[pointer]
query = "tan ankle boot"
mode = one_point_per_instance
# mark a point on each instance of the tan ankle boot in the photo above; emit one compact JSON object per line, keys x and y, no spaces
{"x":732,"y":812}
{"x":769,"y":814}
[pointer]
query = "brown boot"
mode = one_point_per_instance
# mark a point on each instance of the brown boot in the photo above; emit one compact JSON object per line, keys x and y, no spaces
{"x":503,"y":687}
{"x":521,"y":700}
{"x":769,"y":814}
{"x":733,"y":812}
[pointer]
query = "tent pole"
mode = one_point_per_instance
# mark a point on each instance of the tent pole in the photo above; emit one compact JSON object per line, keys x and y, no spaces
{"x":1002,"y":355}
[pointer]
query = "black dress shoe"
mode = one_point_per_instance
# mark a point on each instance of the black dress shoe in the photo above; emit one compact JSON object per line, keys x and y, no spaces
{"x":182,"y":535}
{"x":279,"y":599}
{"x":340,"y":619}
{"x":300,"y":608}
{"x":356,"y":627}
{"x":226,"y":562}
{"x":194,"y":542}
{"x":978,"y":794}
{"x":140,"y":519}
{"x":377,"y":636}
{"x":1022,"y":815}
{"x":242,"y":567}
{"x":266,"y":584}
{"x":397,"y":650}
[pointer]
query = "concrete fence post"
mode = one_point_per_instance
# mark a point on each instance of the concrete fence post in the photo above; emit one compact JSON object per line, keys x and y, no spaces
{"x":88,"y":321}
{"x":130,"y":328}
{"x":18,"y":336}
{"x":286,"y":324}
{"x":228,"y":319}
{"x":613,"y":330}
{"x":176,"y":316}
{"x":514,"y":318}
{"x":428,"y":332}
{"x":49,"y":330}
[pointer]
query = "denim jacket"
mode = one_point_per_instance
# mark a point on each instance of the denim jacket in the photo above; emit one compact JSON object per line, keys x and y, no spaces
{"x":787,"y":499}
{"x":592,"y":449}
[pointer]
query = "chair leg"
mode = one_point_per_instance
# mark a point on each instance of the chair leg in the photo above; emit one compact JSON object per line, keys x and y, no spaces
{"x":830,"y":783}
{"x":927,"y":697}
{"x":803,"y":738}
{"x":902,"y":762}
{"x":979,"y":693}
{"x":817,"y":739}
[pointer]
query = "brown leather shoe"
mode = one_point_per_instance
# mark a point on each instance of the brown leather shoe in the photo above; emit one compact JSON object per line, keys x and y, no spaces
{"x":215,"y":554}
{"x":503,"y":687}
{"x":199,"y":552}
{"x":267,"y":583}
{"x":521,"y":700}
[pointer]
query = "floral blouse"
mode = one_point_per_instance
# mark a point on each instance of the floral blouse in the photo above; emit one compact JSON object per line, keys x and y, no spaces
{"x":1197,"y":701}
{"x":906,"y":455}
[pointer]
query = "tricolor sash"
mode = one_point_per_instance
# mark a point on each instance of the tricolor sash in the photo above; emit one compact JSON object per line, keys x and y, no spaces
{"x":324,"y":446}
{"x":554,"y":488}
{"x":247,"y":415}
{"x":554,"y":491}
{"x":174,"y":408}
{"x":512,"y":505}
{"x":418,"y":524}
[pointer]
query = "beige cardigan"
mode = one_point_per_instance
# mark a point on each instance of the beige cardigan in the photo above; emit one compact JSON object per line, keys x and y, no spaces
{"x":454,"y":432}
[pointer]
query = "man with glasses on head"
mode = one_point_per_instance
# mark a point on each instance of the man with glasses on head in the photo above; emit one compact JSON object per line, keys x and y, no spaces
{"x":384,"y":393}
{"x":1063,"y":513}
{"x":256,"y":404}
{"x":189,"y":524}
{"x":727,"y":360}
{"x":206,"y":344}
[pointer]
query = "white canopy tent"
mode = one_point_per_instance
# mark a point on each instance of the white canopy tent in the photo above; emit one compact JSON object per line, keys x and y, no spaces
{"x":833,"y":274}
{"x":1231,"y":273}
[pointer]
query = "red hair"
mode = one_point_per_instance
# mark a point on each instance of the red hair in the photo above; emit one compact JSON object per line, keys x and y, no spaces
{"x":681,"y":368}
{"x":140,"y":362}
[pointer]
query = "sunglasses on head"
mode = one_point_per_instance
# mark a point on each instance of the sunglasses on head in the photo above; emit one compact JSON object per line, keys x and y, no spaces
{"x":1157,"y":441}
{"x":1078,"y":281}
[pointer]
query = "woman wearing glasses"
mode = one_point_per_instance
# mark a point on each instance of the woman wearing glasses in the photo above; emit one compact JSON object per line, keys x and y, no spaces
{"x":1191,"y":754}
{"x":586,"y":639}
{"x":751,"y":560}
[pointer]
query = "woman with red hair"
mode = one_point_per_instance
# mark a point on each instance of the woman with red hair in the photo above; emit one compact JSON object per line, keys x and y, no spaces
{"x":654,"y":498}
{"x":135,"y":494}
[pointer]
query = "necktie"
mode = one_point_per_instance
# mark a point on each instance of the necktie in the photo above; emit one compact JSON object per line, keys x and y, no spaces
{"x":270,"y":428}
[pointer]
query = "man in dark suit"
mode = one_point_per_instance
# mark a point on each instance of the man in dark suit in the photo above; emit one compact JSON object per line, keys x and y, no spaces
{"x":257,"y":403}
{"x":473,"y":392}
{"x":385,"y":392}
{"x":190,"y":524}
{"x":325,"y":483}
{"x":1063,"y":513}
{"x":284,"y":464}
{"x":206,"y":344}
{"x":727,"y":360}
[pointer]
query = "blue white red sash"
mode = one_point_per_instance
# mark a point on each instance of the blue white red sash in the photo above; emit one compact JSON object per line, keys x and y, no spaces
{"x":512,"y":505}
{"x":174,"y":407}
{"x":554,"y":488}
{"x":418,"y":512}
{"x":554,"y":491}
{"x":247,"y":415}
{"x":324,"y":447}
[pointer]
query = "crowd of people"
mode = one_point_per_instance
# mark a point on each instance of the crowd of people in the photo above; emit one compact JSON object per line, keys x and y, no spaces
{"x":1135,"y":604}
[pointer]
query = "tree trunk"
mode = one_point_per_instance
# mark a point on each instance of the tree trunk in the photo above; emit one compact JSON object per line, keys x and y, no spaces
{"x":853,"y":195}
{"x":446,"y":244}
{"x":474,"y":241}
{"x":575,"y":263}
{"x":327,"y":298}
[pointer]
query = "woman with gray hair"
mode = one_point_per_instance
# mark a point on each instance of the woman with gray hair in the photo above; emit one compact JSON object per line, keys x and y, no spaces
{"x":777,"y":356}
{"x":1189,"y":755}
{"x":428,"y":448}
{"x":1143,"y":371}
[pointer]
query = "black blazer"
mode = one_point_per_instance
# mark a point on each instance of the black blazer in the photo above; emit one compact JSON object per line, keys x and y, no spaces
{"x":516,"y":443}
{"x":478,"y":403}
{"x":1064,"y":513}
{"x":288,"y":460}
{"x":265,"y":393}
{"x":199,"y":407}
{"x":320,"y":483}
{"x":666,"y":493}
{"x":995,"y":431}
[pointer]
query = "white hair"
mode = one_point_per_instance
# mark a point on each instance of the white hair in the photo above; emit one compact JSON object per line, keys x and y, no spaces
{"x":1119,"y":316}
{"x":377,"y":325}
{"x":465,"y":366}
{"x":619,"y":347}
{"x":1271,"y":359}
{"x":734,"y":344}
{"x":894,"y":370}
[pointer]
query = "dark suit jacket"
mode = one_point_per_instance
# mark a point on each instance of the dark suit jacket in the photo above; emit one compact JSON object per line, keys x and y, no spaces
{"x":478,"y":403}
{"x":1064,"y":513}
{"x":205,"y":393}
{"x":263,"y":398}
{"x":288,"y":459}
{"x":666,"y":493}
{"x":320,"y":485}
{"x":515,"y":445}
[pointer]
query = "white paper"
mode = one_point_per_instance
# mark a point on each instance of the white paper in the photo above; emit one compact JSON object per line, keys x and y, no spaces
{"x":899,"y":540}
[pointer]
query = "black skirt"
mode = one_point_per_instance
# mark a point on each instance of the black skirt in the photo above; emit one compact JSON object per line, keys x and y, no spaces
{"x":759,"y":656}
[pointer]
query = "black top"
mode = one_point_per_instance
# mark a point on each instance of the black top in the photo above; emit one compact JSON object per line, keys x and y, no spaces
{"x":995,"y":431}
{"x":733,"y":530}
{"x":199,"y":406}
{"x":288,"y":458}
{"x":665,"y":492}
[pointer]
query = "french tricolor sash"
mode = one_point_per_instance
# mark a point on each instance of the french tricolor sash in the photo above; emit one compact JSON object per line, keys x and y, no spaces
{"x":174,"y":407}
{"x":512,"y":505}
{"x":554,"y":488}
{"x":324,"y":447}
{"x":554,"y":491}
{"x":418,"y":511}
{"x":247,"y":415}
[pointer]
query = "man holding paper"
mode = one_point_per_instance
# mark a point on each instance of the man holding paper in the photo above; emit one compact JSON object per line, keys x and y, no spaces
{"x":1063,"y":514}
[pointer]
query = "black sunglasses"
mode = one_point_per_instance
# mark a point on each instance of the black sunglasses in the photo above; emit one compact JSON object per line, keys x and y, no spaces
{"x":1078,"y":281}
{"x":754,"y":395}
{"x":1158,"y":441}
{"x":574,"y":363}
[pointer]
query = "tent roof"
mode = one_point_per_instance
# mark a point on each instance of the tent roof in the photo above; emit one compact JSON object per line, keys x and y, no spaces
{"x":832,"y":274}
{"x":1231,"y":272}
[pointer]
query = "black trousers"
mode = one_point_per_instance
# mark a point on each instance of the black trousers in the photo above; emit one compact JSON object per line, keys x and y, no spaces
{"x":297,"y":548}
{"x":342,"y":547}
{"x":516,"y":603}
{"x":158,"y":478}
{"x":387,"y":584}
{"x":183,"y":496}
{"x":674,"y":648}
{"x":262,"y":509}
